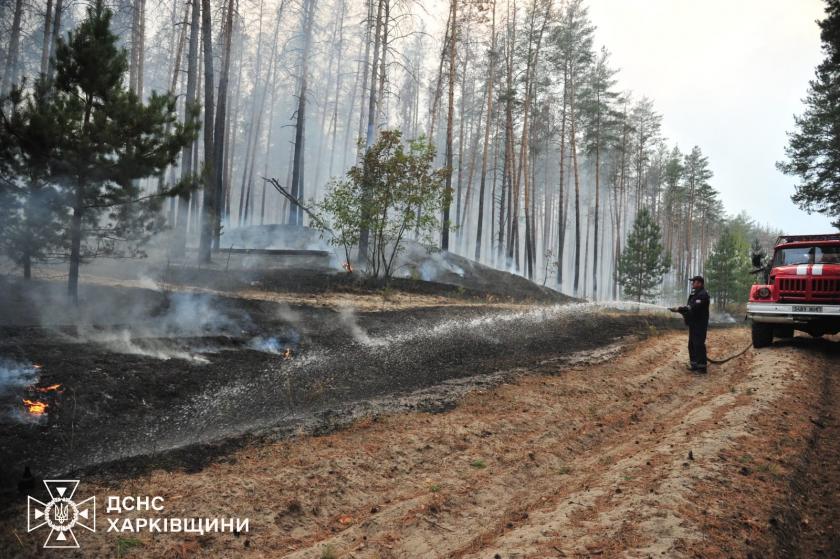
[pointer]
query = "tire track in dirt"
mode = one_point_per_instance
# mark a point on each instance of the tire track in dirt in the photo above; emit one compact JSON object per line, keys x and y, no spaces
{"x":806,"y":523}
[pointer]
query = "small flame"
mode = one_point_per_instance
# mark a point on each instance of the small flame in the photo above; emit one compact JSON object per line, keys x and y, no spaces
{"x":45,"y":389}
{"x":35,"y":407}
{"x":287,"y":353}
{"x":37,"y":366}
{"x":347,"y":267}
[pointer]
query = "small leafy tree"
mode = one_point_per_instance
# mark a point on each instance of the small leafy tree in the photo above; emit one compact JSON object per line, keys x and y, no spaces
{"x":393,"y":190}
{"x":108,"y":138}
{"x":643,"y":260}
{"x":728,"y":269}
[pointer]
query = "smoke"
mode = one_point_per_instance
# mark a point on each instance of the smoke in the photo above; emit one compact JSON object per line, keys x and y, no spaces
{"x":185,"y":315}
{"x":195,"y":313}
{"x":348,"y":320}
{"x":436,"y":266}
{"x":721,"y":318}
{"x":15,"y":375}
{"x":270,"y":344}
{"x":123,"y":341}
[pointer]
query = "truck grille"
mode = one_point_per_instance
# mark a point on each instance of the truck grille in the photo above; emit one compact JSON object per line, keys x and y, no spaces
{"x":811,"y":288}
{"x":789,"y":286}
{"x":825,"y":285}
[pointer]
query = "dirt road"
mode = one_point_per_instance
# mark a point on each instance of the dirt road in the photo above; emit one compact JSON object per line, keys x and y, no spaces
{"x":632,"y":456}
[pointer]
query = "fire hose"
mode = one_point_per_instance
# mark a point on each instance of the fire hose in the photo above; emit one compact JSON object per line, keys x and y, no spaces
{"x":731,"y":357}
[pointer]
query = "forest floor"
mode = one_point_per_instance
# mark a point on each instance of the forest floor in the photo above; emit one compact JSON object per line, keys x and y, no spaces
{"x":620,"y":452}
{"x":432,"y":428}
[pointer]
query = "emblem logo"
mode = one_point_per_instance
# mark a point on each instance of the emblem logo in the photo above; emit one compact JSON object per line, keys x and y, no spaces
{"x":61,"y":514}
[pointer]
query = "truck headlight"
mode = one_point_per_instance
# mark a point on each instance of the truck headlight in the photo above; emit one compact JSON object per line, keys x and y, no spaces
{"x":763,"y":293}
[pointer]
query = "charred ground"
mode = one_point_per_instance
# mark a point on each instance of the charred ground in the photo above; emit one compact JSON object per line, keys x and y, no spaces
{"x":174,"y":378}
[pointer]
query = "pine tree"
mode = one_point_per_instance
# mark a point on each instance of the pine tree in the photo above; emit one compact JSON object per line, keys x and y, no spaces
{"x":109,"y":138}
{"x":728,"y":269}
{"x":813,"y":150}
{"x":643,"y":261}
{"x":31,"y":205}
{"x":600,"y":132}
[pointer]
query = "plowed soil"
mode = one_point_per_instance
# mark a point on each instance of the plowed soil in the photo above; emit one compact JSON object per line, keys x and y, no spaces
{"x":621,"y":453}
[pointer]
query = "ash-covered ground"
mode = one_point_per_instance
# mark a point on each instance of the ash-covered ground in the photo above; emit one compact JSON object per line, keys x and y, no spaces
{"x":151,"y":378}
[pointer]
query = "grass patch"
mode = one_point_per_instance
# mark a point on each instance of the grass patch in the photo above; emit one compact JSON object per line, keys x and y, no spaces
{"x":564,"y":470}
{"x":478,"y":464}
{"x":329,"y":553}
{"x":434,"y":488}
{"x":125,"y":545}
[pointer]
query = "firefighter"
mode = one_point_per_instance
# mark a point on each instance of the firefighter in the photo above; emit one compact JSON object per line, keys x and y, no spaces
{"x":696,"y":316}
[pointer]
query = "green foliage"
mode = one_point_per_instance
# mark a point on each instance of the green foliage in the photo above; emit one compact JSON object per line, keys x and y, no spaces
{"x":727,"y":269}
{"x":94,"y":139}
{"x":813,"y":150}
{"x":643,"y":260}
{"x":32,"y":208}
{"x":124,"y":545}
{"x":393,"y":190}
{"x":596,"y":106}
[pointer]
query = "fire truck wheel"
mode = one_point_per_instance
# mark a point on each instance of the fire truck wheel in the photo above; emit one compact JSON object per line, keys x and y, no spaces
{"x":762,"y":334}
{"x":783,"y":331}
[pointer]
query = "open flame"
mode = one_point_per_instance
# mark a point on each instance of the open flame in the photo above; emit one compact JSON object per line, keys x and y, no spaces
{"x":347,"y":267}
{"x":35,"y":407}
{"x":287,"y":353}
{"x":45,"y":389}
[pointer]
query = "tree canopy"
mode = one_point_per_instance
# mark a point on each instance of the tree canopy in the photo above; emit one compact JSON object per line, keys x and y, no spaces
{"x":813,"y":150}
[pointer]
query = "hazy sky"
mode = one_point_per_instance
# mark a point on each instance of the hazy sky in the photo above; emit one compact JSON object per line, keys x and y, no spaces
{"x":727,"y":75}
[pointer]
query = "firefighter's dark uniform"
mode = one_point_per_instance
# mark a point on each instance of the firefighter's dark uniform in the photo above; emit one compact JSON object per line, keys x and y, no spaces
{"x":696,"y":315}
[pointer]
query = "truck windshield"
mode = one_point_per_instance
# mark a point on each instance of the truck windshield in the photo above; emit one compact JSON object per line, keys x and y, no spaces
{"x":807,"y":255}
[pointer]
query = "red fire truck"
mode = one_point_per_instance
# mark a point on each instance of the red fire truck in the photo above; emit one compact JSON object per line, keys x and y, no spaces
{"x":801,"y":289}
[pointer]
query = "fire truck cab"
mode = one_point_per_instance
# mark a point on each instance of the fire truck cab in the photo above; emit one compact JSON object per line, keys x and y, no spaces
{"x":801,"y":289}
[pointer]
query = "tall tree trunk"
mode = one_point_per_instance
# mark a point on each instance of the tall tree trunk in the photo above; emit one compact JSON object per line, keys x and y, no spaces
{"x":45,"y":49}
{"x":597,"y":197}
{"x":208,"y":213}
{"x":138,"y":32}
{"x":458,"y":198}
{"x":447,"y":195}
{"x":482,"y":185}
{"x":573,"y":148}
{"x":370,"y":24}
{"x":141,"y":52}
{"x":361,"y":73}
{"x":297,"y":187}
{"x":561,"y":200}
{"x":342,"y":13}
{"x":337,"y":30}
{"x":179,"y":248}
{"x":219,"y":132}
{"x":56,"y":33}
{"x":232,"y":129}
{"x":176,"y":49}
{"x":364,"y":235}
{"x":433,"y":112}
{"x":12,"y":55}
{"x":271,"y":105}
